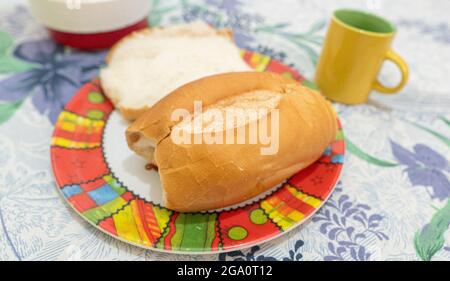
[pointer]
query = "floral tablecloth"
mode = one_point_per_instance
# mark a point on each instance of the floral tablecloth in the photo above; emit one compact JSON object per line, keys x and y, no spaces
{"x":392,"y":202}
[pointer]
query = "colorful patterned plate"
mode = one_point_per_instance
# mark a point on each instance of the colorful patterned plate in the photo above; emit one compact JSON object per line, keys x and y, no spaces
{"x":108,"y":185}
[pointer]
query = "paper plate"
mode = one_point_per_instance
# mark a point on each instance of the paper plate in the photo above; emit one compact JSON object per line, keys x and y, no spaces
{"x":109,"y":187}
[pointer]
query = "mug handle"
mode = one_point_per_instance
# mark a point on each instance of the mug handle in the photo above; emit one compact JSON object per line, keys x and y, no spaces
{"x":395,"y":58}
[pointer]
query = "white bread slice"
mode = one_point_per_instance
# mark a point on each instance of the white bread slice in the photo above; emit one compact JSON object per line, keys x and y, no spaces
{"x":198,"y":177}
{"x":147,"y":65}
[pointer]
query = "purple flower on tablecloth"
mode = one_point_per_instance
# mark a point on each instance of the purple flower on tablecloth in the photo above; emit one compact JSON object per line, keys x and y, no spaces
{"x":242,"y":39}
{"x":226,"y":14}
{"x":424,"y":167}
{"x":439,"y":32}
{"x":55,"y":77}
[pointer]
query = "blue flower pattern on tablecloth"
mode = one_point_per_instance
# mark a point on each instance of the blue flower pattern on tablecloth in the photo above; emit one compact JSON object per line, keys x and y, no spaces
{"x":253,"y":255}
{"x":348,"y":225}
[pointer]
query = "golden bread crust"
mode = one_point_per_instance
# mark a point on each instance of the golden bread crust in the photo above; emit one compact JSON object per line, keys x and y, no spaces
{"x":201,"y":177}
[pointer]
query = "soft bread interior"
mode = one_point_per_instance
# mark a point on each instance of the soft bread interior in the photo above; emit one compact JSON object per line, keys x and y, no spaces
{"x":150,"y":64}
{"x":143,"y":147}
{"x":247,"y":107}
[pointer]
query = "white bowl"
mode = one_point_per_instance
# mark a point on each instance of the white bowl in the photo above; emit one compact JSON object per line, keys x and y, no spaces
{"x":89,"y":16}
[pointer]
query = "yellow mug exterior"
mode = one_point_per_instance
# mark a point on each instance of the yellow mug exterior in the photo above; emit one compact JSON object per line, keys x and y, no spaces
{"x":351,"y":60}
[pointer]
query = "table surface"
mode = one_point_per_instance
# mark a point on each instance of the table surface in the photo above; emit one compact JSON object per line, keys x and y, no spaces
{"x":392,"y":202}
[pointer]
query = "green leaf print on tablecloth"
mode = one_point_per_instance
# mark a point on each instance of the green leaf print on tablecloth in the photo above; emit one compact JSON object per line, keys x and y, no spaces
{"x":366,"y":157}
{"x":7,"y":110}
{"x":306,"y":41}
{"x":430,"y":239}
{"x":158,"y":10}
{"x":446,"y":121}
{"x":5,"y":43}
{"x":8,"y":63}
{"x":439,"y":136}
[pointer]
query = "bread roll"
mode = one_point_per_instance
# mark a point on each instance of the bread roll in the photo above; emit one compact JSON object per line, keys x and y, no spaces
{"x":197,"y":177}
{"x":147,"y":65}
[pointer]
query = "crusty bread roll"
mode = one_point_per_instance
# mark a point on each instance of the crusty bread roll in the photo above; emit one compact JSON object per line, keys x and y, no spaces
{"x":147,"y":65}
{"x":197,"y":177}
